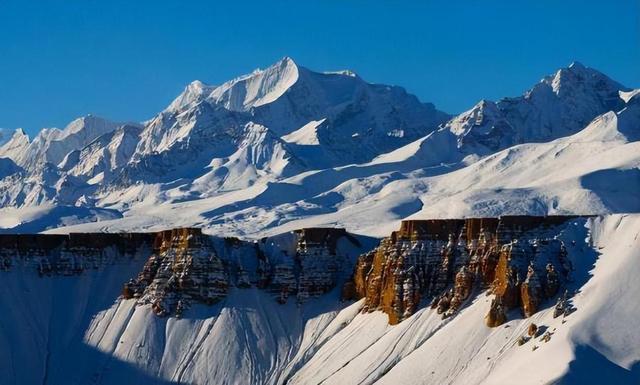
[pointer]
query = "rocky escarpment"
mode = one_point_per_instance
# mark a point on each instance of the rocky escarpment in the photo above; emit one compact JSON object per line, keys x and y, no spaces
{"x":187,"y":266}
{"x":438,"y":262}
{"x":443,"y":262}
{"x":184,"y":266}
{"x":71,"y":254}
{"x":312,"y":269}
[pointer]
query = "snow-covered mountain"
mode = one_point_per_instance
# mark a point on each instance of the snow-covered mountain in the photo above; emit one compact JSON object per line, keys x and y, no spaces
{"x":333,"y":112}
{"x":290,"y":147}
{"x":51,"y":145}
{"x":560,"y":105}
{"x":286,"y":148}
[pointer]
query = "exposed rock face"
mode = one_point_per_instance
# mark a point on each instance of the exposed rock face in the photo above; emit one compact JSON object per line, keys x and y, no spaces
{"x":445,"y":261}
{"x":184,"y":266}
{"x":562,"y":306}
{"x":52,"y":254}
{"x":532,"y":330}
{"x":312,"y":269}
{"x":441,"y":261}
{"x":188,"y":267}
{"x":463,"y":286}
{"x":496,"y":315}
{"x":318,"y":262}
{"x":531,"y":293}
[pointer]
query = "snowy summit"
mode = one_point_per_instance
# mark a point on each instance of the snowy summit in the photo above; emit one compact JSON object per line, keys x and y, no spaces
{"x":298,"y":227}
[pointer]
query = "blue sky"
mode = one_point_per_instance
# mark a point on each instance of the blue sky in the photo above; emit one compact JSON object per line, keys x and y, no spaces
{"x":126,"y":60}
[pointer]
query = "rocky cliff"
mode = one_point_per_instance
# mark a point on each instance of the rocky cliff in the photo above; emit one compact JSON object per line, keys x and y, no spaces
{"x":52,"y":254}
{"x":441,"y":263}
{"x":184,"y":265}
{"x":444,"y":262}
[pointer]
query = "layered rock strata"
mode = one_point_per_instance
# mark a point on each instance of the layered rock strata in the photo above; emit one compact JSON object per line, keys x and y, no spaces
{"x":184,"y":266}
{"x":314,"y":266}
{"x":517,"y":258}
{"x":187,"y":266}
{"x":441,"y":262}
{"x":71,"y":254}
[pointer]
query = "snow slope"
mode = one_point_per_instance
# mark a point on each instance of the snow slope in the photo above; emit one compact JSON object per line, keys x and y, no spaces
{"x":594,"y":346}
{"x":594,"y":171}
{"x":83,"y":336}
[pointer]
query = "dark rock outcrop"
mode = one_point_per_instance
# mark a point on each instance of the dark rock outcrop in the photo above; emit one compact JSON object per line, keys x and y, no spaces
{"x":496,"y":315}
{"x":71,"y":254}
{"x":532,"y":330}
{"x":312,"y":269}
{"x":184,"y":266}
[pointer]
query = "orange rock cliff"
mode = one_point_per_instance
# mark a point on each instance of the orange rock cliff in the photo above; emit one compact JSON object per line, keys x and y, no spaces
{"x":445,"y":261}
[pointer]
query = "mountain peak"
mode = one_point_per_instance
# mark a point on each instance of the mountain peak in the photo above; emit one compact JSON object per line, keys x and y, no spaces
{"x":580,"y":77}
{"x":559,"y":105}
{"x":193,"y":93}
{"x":6,"y":135}
{"x":20,"y":135}
{"x":89,"y":124}
{"x":577,"y":65}
{"x":581,"y":70}
{"x":258,"y":88}
{"x":197,"y":84}
{"x":14,"y":145}
{"x":285,"y":61}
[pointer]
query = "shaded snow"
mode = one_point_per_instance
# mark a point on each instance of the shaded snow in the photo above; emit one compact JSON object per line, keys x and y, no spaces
{"x":249,"y":338}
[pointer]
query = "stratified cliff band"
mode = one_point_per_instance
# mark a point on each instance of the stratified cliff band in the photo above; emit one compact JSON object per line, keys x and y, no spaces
{"x":439,"y":263}
{"x":517,"y":258}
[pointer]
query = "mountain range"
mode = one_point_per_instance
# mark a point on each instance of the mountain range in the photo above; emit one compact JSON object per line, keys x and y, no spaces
{"x":301,"y":227}
{"x":287,"y":147}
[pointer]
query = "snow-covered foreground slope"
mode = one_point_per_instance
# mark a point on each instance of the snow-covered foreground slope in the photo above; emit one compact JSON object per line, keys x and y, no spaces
{"x":73,"y":330}
{"x":44,"y":320}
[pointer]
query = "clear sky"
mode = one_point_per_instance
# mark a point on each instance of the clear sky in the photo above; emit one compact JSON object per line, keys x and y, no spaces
{"x":127,"y":59}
